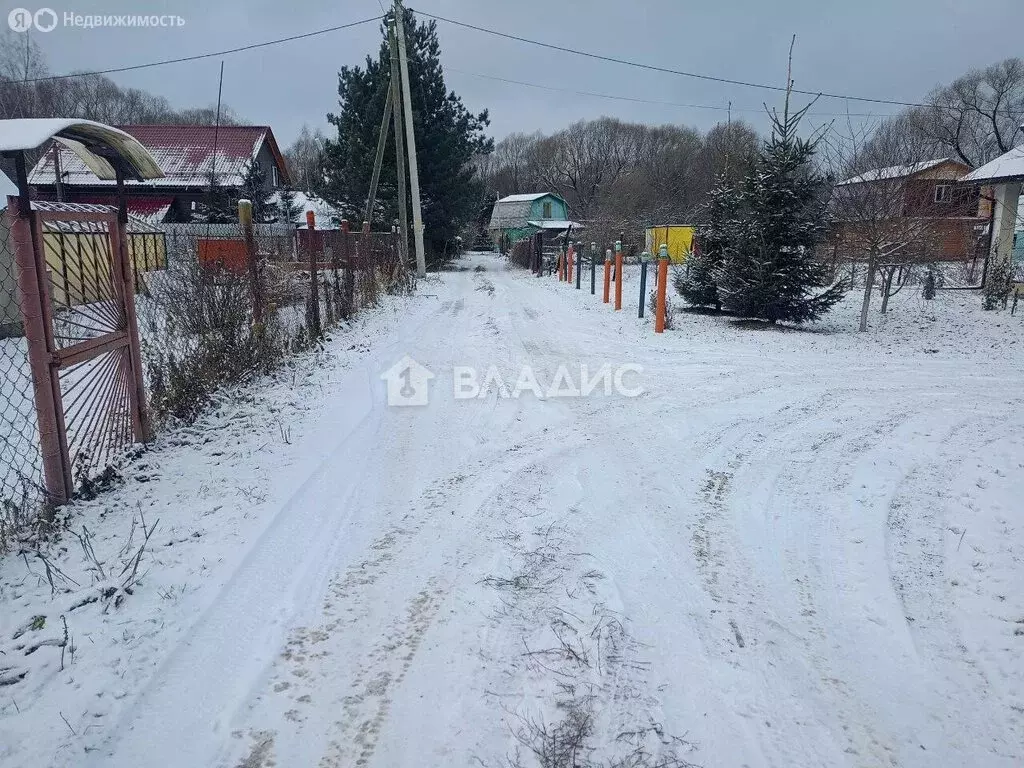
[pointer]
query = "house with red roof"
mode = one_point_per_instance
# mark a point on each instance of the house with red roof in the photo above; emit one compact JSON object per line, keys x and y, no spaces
{"x":189,"y":156}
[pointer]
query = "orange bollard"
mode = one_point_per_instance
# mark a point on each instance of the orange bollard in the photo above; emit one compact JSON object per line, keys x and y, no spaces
{"x":659,"y":313}
{"x":570,"y":266}
{"x":607,"y":275}
{"x":618,"y":275}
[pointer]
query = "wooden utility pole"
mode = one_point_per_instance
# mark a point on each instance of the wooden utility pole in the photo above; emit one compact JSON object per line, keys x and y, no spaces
{"x":382,"y":139}
{"x":396,"y":97}
{"x":410,"y":135}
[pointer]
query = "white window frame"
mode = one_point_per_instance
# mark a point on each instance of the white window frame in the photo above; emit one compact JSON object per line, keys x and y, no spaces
{"x":946,"y":195}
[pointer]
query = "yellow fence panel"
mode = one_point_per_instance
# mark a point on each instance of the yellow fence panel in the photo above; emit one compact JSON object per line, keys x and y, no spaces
{"x":79,"y":263}
{"x":678,"y":238}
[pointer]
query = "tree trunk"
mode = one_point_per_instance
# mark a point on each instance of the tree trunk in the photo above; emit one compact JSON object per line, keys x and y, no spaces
{"x":869,"y":280}
{"x":886,"y":288}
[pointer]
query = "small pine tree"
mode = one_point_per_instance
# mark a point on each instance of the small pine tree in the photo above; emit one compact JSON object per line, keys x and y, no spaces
{"x":254,"y":188}
{"x":770,"y":273}
{"x":715,"y":234}
{"x":219,"y":204}
{"x":288,"y":211}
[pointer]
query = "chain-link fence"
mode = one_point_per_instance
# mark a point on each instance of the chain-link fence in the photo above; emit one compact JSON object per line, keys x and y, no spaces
{"x":209,"y":316}
{"x":20,"y":460}
{"x":210,"y":319}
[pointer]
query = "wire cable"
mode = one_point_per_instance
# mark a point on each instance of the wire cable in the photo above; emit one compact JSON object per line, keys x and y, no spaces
{"x":666,"y":70}
{"x":211,"y":55}
{"x":635,"y":99}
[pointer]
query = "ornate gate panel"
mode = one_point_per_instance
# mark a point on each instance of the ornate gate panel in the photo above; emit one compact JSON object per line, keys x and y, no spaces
{"x":83,"y":341}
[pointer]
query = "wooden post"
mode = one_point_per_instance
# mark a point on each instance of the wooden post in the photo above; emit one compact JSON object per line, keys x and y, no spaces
{"x":579,"y":263}
{"x":350,"y":266}
{"x":618,"y":275}
{"x":607,"y":275}
{"x":570,"y":254}
{"x":315,"y":324}
{"x":245,"y":220}
{"x":659,"y":314}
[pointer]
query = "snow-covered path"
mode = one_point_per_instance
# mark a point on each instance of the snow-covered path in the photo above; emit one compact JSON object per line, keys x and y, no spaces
{"x":783,"y":553}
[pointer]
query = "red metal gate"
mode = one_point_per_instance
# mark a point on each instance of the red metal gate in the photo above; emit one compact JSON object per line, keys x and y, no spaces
{"x":78,"y":306}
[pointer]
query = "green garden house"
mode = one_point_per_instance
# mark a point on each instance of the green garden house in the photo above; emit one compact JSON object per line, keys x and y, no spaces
{"x":518,"y":216}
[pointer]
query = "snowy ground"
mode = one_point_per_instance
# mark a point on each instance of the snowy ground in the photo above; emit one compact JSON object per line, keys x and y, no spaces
{"x":796,"y":548}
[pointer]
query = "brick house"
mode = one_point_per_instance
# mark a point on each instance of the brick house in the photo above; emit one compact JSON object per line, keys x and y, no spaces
{"x":948,"y":219}
{"x":188,"y":154}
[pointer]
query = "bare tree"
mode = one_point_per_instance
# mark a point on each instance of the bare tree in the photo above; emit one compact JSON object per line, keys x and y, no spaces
{"x":586,"y":157}
{"x":305,"y":158}
{"x":876,"y":217}
{"x":510,"y":164}
{"x":976,"y":117}
{"x":89,"y":96}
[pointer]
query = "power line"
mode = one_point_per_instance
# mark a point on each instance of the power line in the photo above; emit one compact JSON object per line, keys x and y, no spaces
{"x":211,"y":55}
{"x":666,"y":70}
{"x":635,"y":99}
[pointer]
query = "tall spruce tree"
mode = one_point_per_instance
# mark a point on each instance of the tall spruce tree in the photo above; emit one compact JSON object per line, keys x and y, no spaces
{"x":447,"y":138}
{"x":769,"y":270}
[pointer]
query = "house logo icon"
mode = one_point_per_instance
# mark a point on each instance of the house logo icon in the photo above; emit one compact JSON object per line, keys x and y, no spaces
{"x":407,"y":383}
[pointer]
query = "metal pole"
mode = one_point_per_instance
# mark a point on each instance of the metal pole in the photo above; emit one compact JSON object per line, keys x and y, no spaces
{"x":579,"y":265}
{"x":410,"y":134}
{"x":643,"y":282}
{"x":58,"y":174}
{"x":35,"y":315}
{"x":382,"y":139}
{"x":126,"y":267}
{"x":593,"y":268}
{"x":403,"y":203}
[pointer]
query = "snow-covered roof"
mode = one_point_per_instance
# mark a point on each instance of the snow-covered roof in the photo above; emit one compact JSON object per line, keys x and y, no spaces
{"x":7,"y":188}
{"x":92,"y":146}
{"x":511,"y":212}
{"x":1008,"y":167}
{"x":894,"y":171}
{"x":529,"y":197}
{"x":555,"y":224}
{"x":184,"y":152}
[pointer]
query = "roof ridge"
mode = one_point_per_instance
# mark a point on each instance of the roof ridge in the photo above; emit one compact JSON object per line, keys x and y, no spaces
{"x":192,"y":125}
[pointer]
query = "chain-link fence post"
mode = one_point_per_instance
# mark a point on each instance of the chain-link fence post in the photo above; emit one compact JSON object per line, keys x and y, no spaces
{"x":35,"y":310}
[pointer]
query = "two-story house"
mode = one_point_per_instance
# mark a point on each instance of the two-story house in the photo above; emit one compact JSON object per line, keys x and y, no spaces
{"x":188,"y":154}
{"x":924,"y":200}
{"x":517,"y":216}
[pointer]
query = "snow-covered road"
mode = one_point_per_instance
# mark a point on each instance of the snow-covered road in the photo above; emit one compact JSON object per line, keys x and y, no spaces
{"x":785,"y":552}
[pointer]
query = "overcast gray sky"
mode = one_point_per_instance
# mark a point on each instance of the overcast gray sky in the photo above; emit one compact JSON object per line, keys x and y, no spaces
{"x":891,"y":49}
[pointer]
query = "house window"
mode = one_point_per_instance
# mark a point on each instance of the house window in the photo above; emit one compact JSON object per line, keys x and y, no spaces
{"x":273,"y":176}
{"x":943,"y":193}
{"x":547,"y":210}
